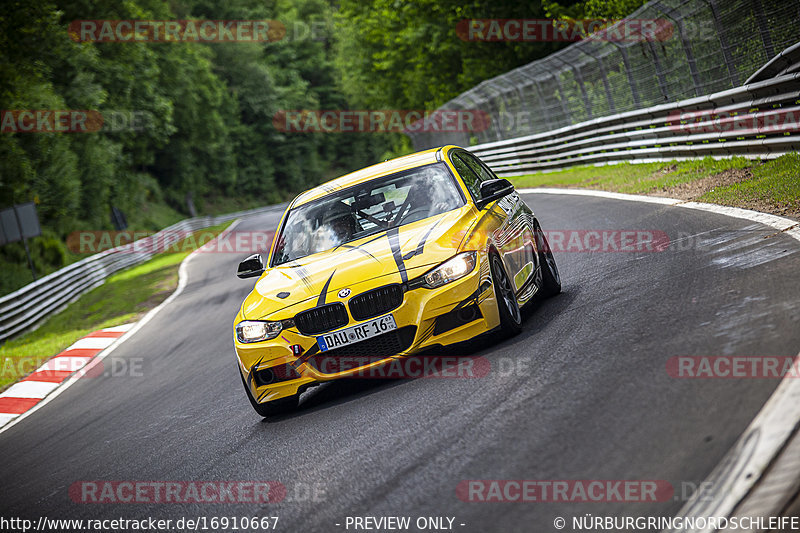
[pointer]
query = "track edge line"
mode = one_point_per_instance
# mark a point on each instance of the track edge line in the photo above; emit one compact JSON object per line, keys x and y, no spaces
{"x":183,"y":279}
{"x":760,"y":445}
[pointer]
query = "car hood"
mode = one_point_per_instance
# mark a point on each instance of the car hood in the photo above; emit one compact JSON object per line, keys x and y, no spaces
{"x":398,"y":254}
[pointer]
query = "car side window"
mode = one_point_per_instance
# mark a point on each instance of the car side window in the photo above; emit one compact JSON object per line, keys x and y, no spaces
{"x":470,"y":177}
{"x":478,"y":167}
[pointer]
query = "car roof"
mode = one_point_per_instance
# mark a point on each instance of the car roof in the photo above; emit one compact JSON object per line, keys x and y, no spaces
{"x":416,"y":159}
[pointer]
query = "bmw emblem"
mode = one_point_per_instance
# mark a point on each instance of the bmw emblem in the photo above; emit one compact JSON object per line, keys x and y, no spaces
{"x":344,"y":293}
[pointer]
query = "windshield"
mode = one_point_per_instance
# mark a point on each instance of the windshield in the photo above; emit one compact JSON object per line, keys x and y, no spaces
{"x":367,"y":208}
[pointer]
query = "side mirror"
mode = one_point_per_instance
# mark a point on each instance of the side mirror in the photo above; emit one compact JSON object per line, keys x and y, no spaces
{"x":251,"y":267}
{"x":492,"y":190}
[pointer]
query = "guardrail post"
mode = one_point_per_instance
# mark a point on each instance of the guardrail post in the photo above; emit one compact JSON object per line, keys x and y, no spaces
{"x":492,"y":103}
{"x":687,"y":46}
{"x":662,"y":80}
{"x":502,"y":91}
{"x":538,"y":90}
{"x":24,"y":241}
{"x":579,"y":79}
{"x":723,"y":43}
{"x":637,"y":102}
{"x":522,"y":99}
{"x":562,"y":100}
{"x":763,"y":29}
{"x":475,"y":106}
{"x":548,"y":118}
{"x":609,"y":96}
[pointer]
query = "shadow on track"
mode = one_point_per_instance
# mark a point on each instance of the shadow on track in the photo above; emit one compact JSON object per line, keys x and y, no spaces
{"x":536,"y":317}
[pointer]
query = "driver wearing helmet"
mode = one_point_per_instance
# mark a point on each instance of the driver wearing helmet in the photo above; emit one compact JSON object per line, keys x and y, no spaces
{"x":417,"y":204}
{"x":340,"y":220}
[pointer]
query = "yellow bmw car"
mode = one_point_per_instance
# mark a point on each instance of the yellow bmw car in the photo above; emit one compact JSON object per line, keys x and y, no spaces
{"x":424,"y":250}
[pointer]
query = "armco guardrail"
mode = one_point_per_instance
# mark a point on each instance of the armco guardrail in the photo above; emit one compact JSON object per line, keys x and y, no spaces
{"x":699,"y":47}
{"x":30,"y":305}
{"x":757,"y":120}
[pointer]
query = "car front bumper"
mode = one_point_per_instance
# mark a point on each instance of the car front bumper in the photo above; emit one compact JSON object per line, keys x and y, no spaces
{"x":452,"y":313}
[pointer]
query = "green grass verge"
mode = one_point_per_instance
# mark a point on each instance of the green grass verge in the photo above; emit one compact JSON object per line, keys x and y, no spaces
{"x":631,"y":177}
{"x":123,"y":298}
{"x":775,"y":183}
{"x":774,"y":186}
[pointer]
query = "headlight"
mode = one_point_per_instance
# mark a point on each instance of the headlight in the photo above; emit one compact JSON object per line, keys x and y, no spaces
{"x":257,"y":330}
{"x":451,"y":270}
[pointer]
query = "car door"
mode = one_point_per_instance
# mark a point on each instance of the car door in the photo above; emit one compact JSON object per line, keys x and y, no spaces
{"x":514,"y":236}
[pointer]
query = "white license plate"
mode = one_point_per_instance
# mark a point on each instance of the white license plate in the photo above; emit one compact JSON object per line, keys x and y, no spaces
{"x":354,"y":334}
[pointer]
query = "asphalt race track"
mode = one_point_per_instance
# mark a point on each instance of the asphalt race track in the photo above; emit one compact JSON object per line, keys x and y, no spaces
{"x":590,"y":398}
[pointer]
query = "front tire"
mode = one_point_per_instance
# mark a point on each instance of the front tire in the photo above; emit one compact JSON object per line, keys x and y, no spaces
{"x":273,"y":408}
{"x":507,"y":305}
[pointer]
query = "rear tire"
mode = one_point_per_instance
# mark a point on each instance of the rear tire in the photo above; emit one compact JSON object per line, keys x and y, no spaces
{"x":507,"y":305}
{"x":273,"y":408}
{"x":551,"y":279}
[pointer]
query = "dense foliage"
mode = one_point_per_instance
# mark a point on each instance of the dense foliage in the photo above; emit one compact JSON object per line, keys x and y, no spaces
{"x":592,"y":9}
{"x":203,"y":118}
{"x":203,"y":131}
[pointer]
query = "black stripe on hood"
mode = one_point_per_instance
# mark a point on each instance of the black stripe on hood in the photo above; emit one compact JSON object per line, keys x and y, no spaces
{"x":394,"y":243}
{"x":321,"y":300}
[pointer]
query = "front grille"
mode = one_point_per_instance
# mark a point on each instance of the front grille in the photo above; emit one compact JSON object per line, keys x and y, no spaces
{"x":321,"y":319}
{"x":376,"y":302}
{"x":372,"y":349}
